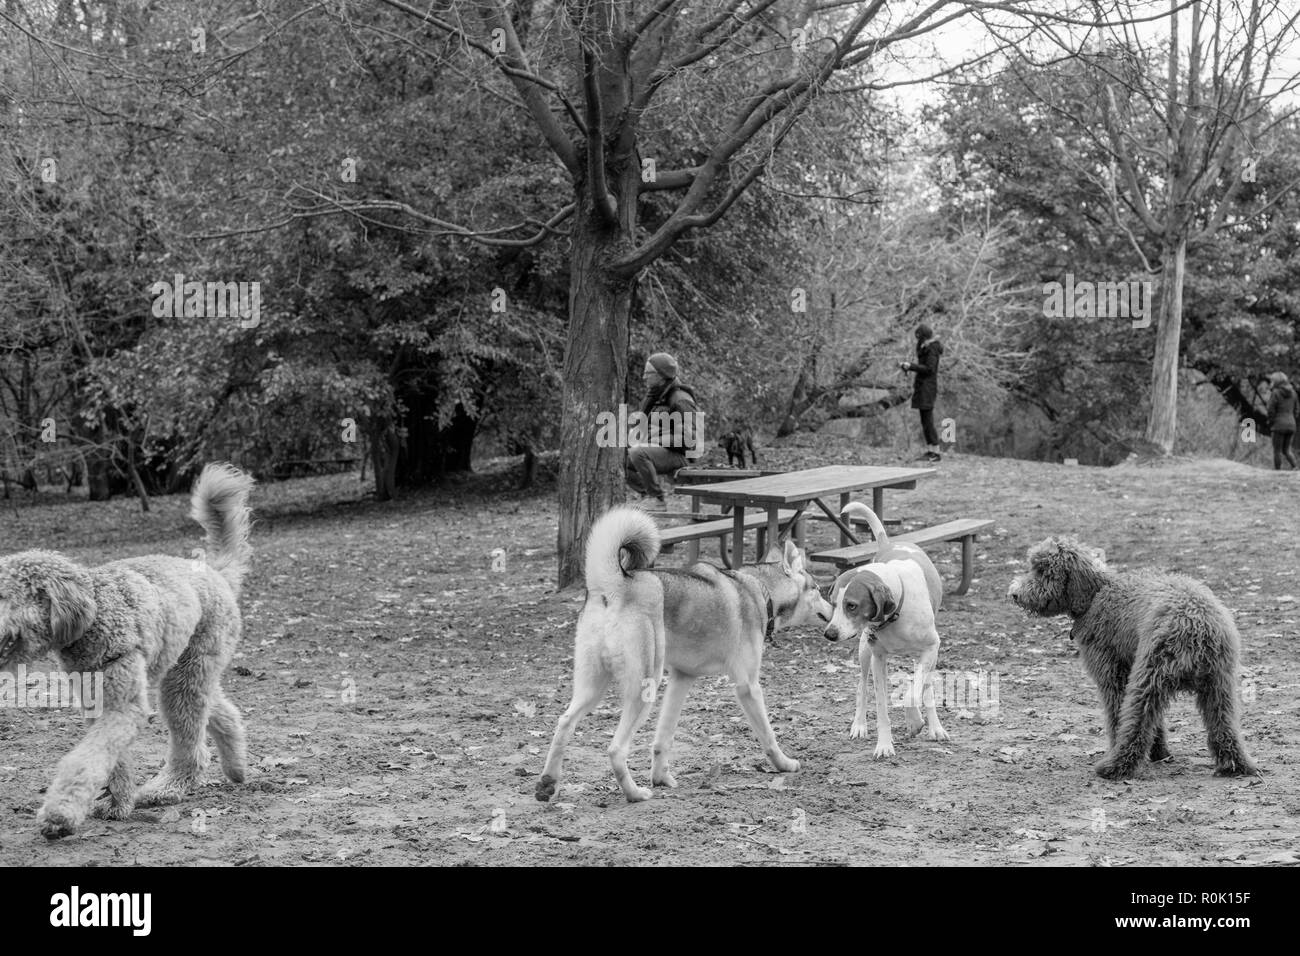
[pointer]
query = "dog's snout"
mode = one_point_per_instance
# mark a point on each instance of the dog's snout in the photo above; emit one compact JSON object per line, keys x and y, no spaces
{"x":831,"y":633}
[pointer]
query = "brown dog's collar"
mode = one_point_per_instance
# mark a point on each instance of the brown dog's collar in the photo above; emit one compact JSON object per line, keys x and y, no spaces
{"x":891,"y":619}
{"x":898,"y":609}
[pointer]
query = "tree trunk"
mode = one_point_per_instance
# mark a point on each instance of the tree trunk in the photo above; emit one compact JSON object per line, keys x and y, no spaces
{"x":799,"y":397}
{"x":385,"y":445}
{"x":1162,"y":425}
{"x":530,"y":468}
{"x":456,"y":443}
{"x":600,"y":298}
{"x":135,"y":476}
{"x":595,"y":368}
{"x":98,"y":478}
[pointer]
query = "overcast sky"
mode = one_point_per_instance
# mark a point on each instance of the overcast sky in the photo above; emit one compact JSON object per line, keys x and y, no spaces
{"x":967,"y":38}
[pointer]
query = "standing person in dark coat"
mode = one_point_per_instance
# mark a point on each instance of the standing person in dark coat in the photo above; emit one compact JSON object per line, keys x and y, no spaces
{"x":1282,"y":407}
{"x":925,"y":389}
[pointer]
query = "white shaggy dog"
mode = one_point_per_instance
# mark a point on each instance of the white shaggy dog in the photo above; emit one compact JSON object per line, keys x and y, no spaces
{"x":143,"y":622}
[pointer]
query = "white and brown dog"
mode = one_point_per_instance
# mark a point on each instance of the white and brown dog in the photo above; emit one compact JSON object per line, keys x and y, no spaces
{"x":890,"y":605}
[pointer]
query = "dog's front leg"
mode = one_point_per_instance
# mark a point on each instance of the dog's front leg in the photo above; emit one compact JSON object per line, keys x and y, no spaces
{"x":1145,"y":699}
{"x":750,"y":694}
{"x":121,"y":793}
{"x":912,"y":700}
{"x":860,"y":727}
{"x":1111,"y":678}
{"x":86,"y":769}
{"x":884,"y":736}
{"x":925,"y":674}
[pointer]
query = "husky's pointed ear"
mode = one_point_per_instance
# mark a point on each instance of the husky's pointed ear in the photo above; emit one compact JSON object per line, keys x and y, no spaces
{"x":792,"y":558}
{"x":72,"y":608}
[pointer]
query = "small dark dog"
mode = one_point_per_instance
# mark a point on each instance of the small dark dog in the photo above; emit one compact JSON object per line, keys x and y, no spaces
{"x":1143,"y":637}
{"x":735,"y":442}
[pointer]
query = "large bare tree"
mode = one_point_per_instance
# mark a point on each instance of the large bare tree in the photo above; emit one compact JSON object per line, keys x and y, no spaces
{"x":600,"y":79}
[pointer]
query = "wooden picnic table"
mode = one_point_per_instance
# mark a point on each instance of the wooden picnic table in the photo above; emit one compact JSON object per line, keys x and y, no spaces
{"x":802,"y":488}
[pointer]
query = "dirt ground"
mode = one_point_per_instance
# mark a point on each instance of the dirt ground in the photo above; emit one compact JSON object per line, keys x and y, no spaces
{"x":400,"y":694}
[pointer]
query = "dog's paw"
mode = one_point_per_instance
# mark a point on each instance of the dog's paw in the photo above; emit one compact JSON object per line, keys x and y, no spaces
{"x":860,"y":729}
{"x":915,"y":727}
{"x":111,"y":810}
{"x":936,"y":733}
{"x":546,"y":789}
{"x":665,"y":779}
{"x":57,"y":823}
{"x":162,"y":790}
{"x":884,"y":748}
{"x":1114,"y":770}
{"x":1237,"y":768}
{"x":638,"y":794}
{"x":786,"y":765}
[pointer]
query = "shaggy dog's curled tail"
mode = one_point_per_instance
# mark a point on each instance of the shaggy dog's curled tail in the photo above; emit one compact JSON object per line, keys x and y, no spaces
{"x":622,"y":528}
{"x":220,"y":504}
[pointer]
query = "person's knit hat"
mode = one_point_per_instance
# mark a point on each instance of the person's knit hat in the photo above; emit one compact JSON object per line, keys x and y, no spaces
{"x":1279,"y":378}
{"x":664,"y":364}
{"x":924,"y":332}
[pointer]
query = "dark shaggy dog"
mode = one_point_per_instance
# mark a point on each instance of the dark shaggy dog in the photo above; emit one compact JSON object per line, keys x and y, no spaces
{"x":1143,"y":637}
{"x":736,"y":442}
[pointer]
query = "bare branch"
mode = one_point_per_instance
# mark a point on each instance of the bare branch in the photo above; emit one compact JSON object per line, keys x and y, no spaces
{"x":514,"y":64}
{"x":331,"y":206}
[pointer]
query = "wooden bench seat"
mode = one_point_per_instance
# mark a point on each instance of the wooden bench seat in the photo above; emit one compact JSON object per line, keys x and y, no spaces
{"x":964,"y":530}
{"x":720,"y":528}
{"x":889,"y":523}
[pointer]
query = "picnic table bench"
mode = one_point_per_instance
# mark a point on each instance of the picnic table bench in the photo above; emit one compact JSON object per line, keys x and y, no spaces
{"x":720,"y":528}
{"x":964,"y":530}
{"x":706,"y":524}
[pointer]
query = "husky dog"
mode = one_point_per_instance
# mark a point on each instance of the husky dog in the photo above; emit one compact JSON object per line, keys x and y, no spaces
{"x":153,"y":621}
{"x":696,"y":621}
{"x":890,"y":605}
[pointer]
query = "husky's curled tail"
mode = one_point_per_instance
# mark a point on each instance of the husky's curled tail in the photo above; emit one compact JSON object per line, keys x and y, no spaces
{"x":220,"y":504}
{"x":622,"y":528}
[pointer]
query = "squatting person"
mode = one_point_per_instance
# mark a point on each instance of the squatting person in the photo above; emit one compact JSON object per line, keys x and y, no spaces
{"x":669,"y":407}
